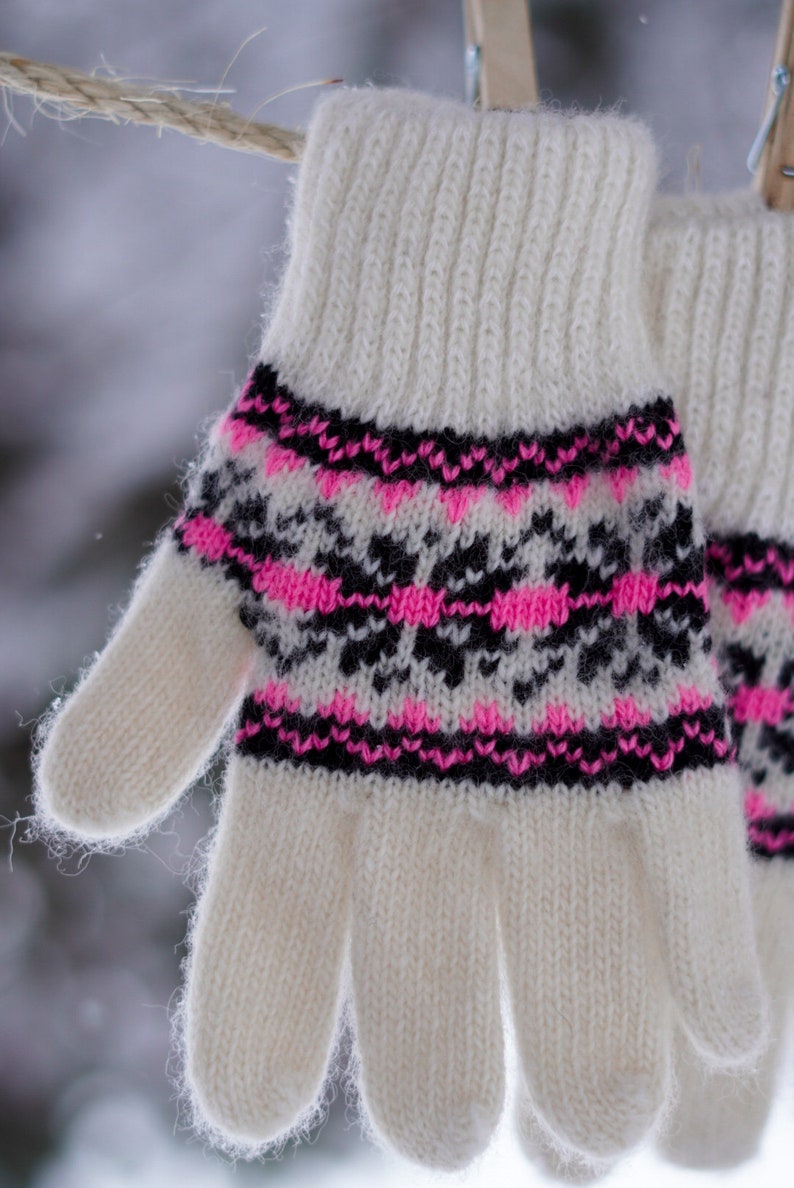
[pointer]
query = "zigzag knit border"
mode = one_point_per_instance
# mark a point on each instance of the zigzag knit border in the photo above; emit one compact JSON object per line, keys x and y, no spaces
{"x":748,"y":563}
{"x":586,"y":758}
{"x":770,"y":832}
{"x":644,"y":436}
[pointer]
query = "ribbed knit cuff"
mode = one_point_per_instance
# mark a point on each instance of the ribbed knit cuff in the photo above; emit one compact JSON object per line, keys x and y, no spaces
{"x":720,"y":277}
{"x":473,"y":270}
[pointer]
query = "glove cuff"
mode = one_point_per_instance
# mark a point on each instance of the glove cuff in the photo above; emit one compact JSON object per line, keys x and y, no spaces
{"x":463,"y":269}
{"x":721,"y":290}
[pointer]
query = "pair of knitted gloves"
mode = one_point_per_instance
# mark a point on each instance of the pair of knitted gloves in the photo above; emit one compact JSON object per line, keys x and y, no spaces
{"x":486,"y":652}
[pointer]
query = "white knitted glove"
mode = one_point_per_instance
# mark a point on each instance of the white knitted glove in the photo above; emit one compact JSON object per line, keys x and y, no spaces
{"x":443,"y":551}
{"x":721,"y":285}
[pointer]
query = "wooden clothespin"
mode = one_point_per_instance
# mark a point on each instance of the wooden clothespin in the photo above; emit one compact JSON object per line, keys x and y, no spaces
{"x":500,"y":60}
{"x":771,"y":157}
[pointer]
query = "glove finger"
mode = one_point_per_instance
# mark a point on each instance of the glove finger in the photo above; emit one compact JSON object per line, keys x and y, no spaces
{"x":263,"y":997}
{"x":549,"y":1156}
{"x":719,"y":1119}
{"x":148,"y":716}
{"x":692,"y":841}
{"x":590,"y":1024}
{"x":425,"y":974}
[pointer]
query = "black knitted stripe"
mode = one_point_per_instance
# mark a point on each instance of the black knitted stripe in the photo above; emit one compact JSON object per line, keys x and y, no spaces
{"x":749,"y":562}
{"x":772,"y":837}
{"x":320,"y":741}
{"x":644,"y":436}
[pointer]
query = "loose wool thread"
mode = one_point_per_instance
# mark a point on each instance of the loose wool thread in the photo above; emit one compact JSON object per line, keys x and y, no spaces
{"x":117,"y":100}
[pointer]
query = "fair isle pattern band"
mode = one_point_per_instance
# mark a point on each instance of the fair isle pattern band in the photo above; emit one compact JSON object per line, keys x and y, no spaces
{"x":486,"y":749}
{"x":510,"y":613}
{"x":746,"y":564}
{"x":325,"y":438}
{"x":752,"y":583}
{"x":770,"y":834}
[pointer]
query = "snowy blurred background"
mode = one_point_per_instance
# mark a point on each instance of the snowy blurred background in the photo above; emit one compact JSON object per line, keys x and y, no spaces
{"x":131,"y":274}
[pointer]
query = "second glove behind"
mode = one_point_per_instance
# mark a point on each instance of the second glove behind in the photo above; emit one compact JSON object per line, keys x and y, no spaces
{"x":721,"y":283}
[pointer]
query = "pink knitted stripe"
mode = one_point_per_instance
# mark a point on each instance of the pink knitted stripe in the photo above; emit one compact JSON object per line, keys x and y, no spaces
{"x":433,"y":452}
{"x":525,"y":608}
{"x":759,"y":813}
{"x":517,"y":761}
{"x":457,"y":501}
{"x":761,"y":703}
{"x":486,"y":719}
{"x":769,"y":841}
{"x":208,"y":538}
{"x":748,"y":566}
{"x":757,"y":807}
{"x":680,"y":471}
{"x":742,"y":605}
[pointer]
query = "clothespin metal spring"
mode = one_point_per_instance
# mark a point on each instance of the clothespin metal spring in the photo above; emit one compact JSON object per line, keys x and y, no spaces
{"x":472,"y":66}
{"x":779,"y":84}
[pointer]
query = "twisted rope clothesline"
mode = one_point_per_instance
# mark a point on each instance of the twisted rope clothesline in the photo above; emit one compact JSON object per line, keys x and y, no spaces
{"x":119,"y":101}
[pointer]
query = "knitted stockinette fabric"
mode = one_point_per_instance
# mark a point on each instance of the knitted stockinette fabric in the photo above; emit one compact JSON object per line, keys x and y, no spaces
{"x":441,"y":560}
{"x":721,"y":291}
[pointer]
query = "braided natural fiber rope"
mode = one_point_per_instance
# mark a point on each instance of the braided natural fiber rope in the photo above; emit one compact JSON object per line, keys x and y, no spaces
{"x":121,"y":102}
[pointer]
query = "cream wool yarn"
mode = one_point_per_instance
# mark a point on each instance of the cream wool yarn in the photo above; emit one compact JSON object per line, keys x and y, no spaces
{"x":440,"y":562}
{"x":721,"y":287}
